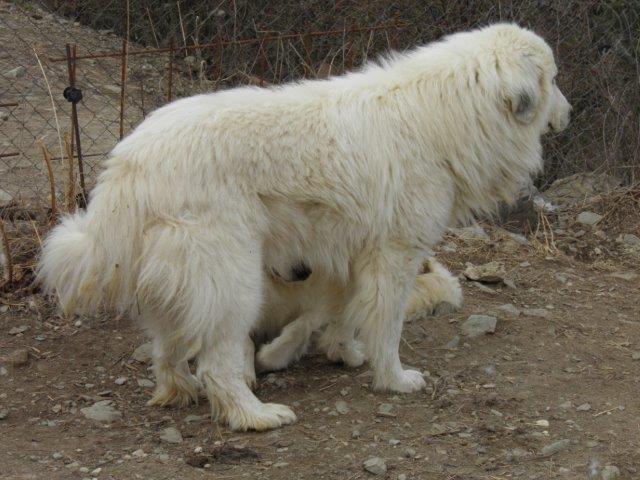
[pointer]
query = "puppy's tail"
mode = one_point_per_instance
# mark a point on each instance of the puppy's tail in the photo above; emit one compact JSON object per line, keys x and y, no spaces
{"x":89,"y":258}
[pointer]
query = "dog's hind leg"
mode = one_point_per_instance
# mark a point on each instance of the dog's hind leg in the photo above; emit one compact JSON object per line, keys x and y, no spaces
{"x":206,"y":276}
{"x":339,"y":344}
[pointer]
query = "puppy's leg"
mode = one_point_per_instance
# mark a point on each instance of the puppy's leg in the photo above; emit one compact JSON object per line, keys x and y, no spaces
{"x":249,"y":364}
{"x":291,"y":344}
{"x":338,"y":343}
{"x":436,"y":292}
{"x":382,"y":281}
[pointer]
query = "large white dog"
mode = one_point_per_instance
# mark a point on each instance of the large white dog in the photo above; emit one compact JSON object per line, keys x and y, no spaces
{"x":355,"y":177}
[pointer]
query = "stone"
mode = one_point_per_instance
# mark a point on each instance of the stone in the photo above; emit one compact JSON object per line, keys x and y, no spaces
{"x":386,"y":410}
{"x":341,"y":407}
{"x":102,"y":411}
{"x":588,"y":218}
{"x":4,"y":115}
{"x":634,"y":356}
{"x":193,"y":419}
{"x":375,"y":465}
{"x":145,"y":383}
{"x":393,"y":442}
{"x":3,"y":414}
{"x":120,"y":380}
{"x":630,"y":239}
{"x":57,"y":455}
{"x":510,"y":308}
{"x":3,"y":371}
{"x":492,"y":272}
{"x":5,"y":198}
{"x":17,"y":72}
{"x":453,"y":343}
{"x":536,"y":312}
{"x":18,"y":358}
{"x":610,"y":472}
{"x":142,"y":354}
{"x":409,"y":453}
{"x":624,"y":275}
{"x":18,"y":330}
{"x":555,"y":447}
{"x":402,"y":476}
{"x":171,"y":435}
{"x":477,"y":325}
{"x":585,"y":407}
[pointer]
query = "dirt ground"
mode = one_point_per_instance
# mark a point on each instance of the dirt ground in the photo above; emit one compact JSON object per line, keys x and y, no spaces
{"x":562,"y":366}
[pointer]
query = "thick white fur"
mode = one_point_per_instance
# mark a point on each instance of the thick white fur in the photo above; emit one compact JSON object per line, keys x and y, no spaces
{"x":293,"y":311}
{"x":355,"y":175}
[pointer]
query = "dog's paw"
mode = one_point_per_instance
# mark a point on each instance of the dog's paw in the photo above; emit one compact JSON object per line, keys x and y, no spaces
{"x":269,"y":359}
{"x":406,"y":381}
{"x":352,"y":353}
{"x":264,"y":417}
{"x":173,"y":397}
{"x":444,"y":308}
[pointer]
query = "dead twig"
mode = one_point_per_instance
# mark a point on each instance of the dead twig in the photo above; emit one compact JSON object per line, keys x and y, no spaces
{"x":52,"y":181}
{"x":7,"y":253}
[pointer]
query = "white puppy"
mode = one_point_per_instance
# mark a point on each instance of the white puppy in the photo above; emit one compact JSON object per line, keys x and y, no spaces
{"x":293,"y":311}
{"x":355,"y":176}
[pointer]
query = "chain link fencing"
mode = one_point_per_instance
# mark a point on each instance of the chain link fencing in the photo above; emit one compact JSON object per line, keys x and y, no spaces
{"x":126,"y":58}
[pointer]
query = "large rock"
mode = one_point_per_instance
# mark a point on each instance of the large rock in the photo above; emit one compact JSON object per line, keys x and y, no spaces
{"x":375,"y":465}
{"x":492,"y":272}
{"x":142,"y":354}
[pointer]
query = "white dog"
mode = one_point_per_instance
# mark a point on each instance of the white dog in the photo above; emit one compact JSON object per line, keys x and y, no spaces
{"x":354,"y":176}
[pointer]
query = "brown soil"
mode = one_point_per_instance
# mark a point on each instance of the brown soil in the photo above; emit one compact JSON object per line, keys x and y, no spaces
{"x":477,"y":420}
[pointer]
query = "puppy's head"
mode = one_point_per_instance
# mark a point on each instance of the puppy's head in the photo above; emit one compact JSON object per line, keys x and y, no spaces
{"x":526,"y":72}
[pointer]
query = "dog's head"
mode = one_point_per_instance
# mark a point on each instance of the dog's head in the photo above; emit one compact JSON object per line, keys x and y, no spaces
{"x":526,"y":72}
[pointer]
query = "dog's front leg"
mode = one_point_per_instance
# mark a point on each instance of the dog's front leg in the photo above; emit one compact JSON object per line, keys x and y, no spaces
{"x":383,"y":278}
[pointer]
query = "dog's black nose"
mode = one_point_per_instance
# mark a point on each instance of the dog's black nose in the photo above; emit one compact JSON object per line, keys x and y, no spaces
{"x":300,"y":272}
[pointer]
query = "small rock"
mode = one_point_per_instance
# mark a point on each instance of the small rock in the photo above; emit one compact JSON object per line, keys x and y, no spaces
{"x":138,"y":453}
{"x":517,"y":454}
{"x":375,"y":465}
{"x":3,"y":371}
{"x":555,"y":447}
{"x":536,"y":312}
{"x":510,"y":308}
{"x":57,"y":455}
{"x":341,"y":407}
{"x":281,"y":464}
{"x":142,"y":354}
{"x":453,"y":343}
{"x":17,"y":72}
{"x":630,"y":239}
{"x":566,"y":405}
{"x":477,"y":325}
{"x":591,"y":443}
{"x":585,"y":407}
{"x":356,"y":433}
{"x":120,"y":380}
{"x":171,"y":435}
{"x":18,"y":358}
{"x":145,"y":382}
{"x":386,"y":410}
{"x":588,"y":218}
{"x":634,"y":356}
{"x":4,"y":115}
{"x":102,"y":411}
{"x":492,"y":272}
{"x":393,"y":442}
{"x":409,"y":453}
{"x":402,"y":476}
{"x":96,"y":471}
{"x":542,"y":423}
{"x":193,"y":419}
{"x":610,"y":472}
{"x":3,"y":414}
{"x":18,"y":330}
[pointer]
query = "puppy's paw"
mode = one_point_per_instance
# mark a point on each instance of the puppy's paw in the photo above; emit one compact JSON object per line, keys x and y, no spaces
{"x":352,"y":353}
{"x":444,"y":308}
{"x":269,"y":359}
{"x":405,"y":381}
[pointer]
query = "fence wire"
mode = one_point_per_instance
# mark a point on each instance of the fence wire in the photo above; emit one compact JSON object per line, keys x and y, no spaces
{"x":133,"y":56}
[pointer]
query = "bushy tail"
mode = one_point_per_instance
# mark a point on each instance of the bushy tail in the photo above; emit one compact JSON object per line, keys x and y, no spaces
{"x":89,"y":258}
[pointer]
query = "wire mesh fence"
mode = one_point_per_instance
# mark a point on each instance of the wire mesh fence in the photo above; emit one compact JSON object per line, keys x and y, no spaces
{"x":128,"y":58}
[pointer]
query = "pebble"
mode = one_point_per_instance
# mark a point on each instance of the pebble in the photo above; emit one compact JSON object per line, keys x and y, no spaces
{"x":281,"y":464}
{"x":57,"y":455}
{"x":341,"y":407}
{"x":555,"y":447}
{"x":145,"y":382}
{"x":492,"y":272}
{"x":394,"y":441}
{"x":585,"y":407}
{"x":120,"y":380}
{"x":3,"y":414}
{"x":566,"y":405}
{"x":142,"y":354}
{"x":96,"y":471}
{"x":510,"y":308}
{"x":356,"y":433}
{"x":536,"y":312}
{"x":17,"y":72}
{"x":3,"y":371}
{"x":630,"y":239}
{"x":102,"y":411}
{"x":18,"y":330}
{"x":477,"y":325}
{"x":171,"y":435}
{"x":138,"y":453}
{"x":193,"y":418}
{"x":409,"y":453}
{"x":375,"y":465}
{"x":588,"y":218}
{"x":453,"y":343}
{"x":18,"y":358}
{"x":542,"y":423}
{"x":610,"y":472}
{"x":634,"y":356}
{"x":386,"y":410}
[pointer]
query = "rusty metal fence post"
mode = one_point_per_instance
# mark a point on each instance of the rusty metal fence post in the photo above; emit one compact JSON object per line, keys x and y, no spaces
{"x":74,"y":95}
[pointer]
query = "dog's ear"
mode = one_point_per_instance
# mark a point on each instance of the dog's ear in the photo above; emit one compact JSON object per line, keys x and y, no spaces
{"x":523,"y":105}
{"x":523,"y":92}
